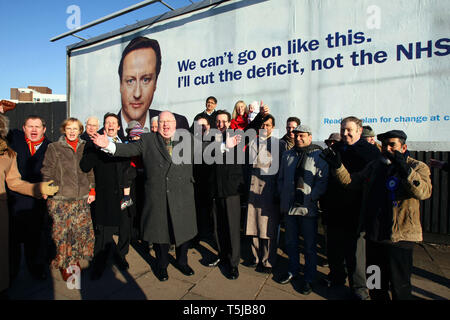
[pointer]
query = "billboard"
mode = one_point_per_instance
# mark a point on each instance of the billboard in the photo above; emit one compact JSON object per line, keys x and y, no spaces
{"x":386,"y":62}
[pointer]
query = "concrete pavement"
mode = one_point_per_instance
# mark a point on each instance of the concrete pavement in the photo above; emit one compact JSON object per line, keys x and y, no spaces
{"x":430,"y":279}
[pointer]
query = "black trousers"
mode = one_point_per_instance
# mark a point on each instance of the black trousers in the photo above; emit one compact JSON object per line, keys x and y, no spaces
{"x":227,"y":216}
{"x":347,"y":257}
{"x":162,"y":254}
{"x":30,"y":229}
{"x":205,"y":220}
{"x":395,"y":261}
{"x":137,"y":194}
{"x":104,"y":238}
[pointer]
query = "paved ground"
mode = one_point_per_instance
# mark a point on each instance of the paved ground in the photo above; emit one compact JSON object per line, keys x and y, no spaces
{"x":430,"y":280}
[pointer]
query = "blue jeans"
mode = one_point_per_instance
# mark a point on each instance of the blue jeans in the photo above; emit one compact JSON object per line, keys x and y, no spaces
{"x":307,"y":227}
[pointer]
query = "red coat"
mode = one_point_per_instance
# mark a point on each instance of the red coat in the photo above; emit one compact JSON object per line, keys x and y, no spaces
{"x":241,"y":122}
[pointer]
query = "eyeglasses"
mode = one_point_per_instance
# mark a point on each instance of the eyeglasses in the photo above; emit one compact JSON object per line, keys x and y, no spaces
{"x":165,"y":121}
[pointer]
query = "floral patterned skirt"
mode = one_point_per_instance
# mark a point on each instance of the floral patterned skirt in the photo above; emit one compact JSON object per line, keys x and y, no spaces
{"x":72,"y":231}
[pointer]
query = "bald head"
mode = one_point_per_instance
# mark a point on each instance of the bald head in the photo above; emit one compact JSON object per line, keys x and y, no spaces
{"x":92,"y":125}
{"x":166,"y":124}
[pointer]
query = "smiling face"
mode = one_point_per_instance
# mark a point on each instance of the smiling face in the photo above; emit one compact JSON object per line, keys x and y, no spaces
{"x":290,"y":126}
{"x":302,"y":139}
{"x":72,"y":130}
{"x":210,"y":105}
{"x":166,"y":124}
{"x":393,"y":144}
{"x":154,"y":126}
{"x":268,"y":128}
{"x":34,"y":130}
{"x":138,"y":84}
{"x":111,"y":126}
{"x":222,"y":122}
{"x":240,"y":108}
{"x":350,"y":132}
{"x":92,"y":126}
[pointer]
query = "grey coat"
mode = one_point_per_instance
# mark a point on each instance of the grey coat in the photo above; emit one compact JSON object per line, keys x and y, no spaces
{"x":169,"y":191}
{"x":263,"y":213}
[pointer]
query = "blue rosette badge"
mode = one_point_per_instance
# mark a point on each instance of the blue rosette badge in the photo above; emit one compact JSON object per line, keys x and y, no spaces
{"x":392,"y":185}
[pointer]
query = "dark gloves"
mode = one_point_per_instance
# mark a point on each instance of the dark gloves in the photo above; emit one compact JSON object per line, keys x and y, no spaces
{"x":299,"y":200}
{"x":399,"y":161}
{"x":332,"y":158}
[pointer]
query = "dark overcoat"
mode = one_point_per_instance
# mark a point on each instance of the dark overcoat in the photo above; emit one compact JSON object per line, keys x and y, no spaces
{"x":169,"y":191}
{"x":30,"y":169}
{"x":109,"y":183}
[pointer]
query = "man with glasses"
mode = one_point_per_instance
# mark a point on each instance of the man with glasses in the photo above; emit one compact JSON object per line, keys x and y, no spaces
{"x":210,"y":113}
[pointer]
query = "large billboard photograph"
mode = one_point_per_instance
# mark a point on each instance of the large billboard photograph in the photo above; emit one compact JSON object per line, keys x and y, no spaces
{"x":382,"y":61}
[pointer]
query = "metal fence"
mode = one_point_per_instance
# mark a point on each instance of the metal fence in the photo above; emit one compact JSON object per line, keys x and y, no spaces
{"x":54,"y":113}
{"x":435,"y":211}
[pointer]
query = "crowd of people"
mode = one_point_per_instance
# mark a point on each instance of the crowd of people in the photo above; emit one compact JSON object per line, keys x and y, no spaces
{"x":143,"y":179}
{"x":110,"y":181}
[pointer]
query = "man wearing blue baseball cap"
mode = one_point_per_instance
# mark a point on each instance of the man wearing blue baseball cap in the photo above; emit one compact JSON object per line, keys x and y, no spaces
{"x":392,"y":185}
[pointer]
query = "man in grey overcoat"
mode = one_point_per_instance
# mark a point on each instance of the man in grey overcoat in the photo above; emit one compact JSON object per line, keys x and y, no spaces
{"x":169,"y":208}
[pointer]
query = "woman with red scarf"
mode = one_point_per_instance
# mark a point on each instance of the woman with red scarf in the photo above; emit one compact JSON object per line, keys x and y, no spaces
{"x":72,"y":230}
{"x":239,"y":118}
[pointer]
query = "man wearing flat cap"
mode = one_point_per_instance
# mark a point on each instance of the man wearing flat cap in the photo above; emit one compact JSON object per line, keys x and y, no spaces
{"x":369,"y":135}
{"x":392,"y":187}
{"x":302,"y":179}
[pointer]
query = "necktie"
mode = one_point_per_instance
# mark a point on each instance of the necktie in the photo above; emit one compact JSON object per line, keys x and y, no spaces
{"x":168,"y":146}
{"x":115,"y":140}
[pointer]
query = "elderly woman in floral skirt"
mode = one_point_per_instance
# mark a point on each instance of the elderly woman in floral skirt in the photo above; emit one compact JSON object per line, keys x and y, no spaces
{"x":72,"y":229}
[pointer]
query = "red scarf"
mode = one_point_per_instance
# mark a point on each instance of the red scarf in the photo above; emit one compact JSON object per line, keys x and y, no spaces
{"x":73,"y":144}
{"x":32,"y":145}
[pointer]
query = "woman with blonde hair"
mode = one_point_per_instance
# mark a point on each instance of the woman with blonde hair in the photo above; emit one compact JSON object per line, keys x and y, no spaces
{"x":72,"y":230}
{"x":10,"y":176}
{"x":239,"y":118}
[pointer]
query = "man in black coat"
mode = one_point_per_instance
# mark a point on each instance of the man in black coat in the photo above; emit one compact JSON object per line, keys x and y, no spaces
{"x":202,"y":172}
{"x":345,"y":235}
{"x":226,"y":186}
{"x":169,"y":208}
{"x":28,"y":214}
{"x":109,"y":190}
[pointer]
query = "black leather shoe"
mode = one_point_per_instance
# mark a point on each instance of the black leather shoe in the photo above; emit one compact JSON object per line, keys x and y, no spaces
{"x":122,"y":263}
{"x":214,"y":263}
{"x":267,"y":270}
{"x":234,"y":273}
{"x":285,"y":279}
{"x":259,"y":268}
{"x":38,"y":272}
{"x":96,"y":274}
{"x":305,"y":288}
{"x":186,"y":270}
{"x":98,"y":266}
{"x":162,"y":275}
